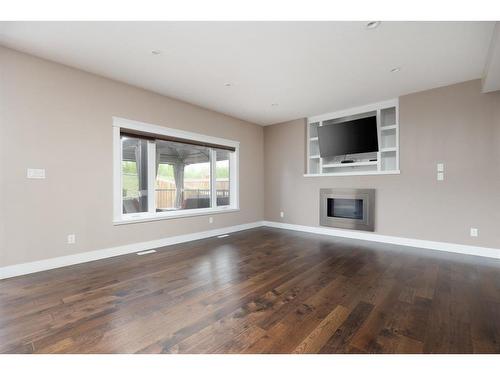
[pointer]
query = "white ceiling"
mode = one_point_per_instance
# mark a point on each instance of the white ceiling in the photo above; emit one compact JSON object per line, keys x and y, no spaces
{"x":307,"y":68}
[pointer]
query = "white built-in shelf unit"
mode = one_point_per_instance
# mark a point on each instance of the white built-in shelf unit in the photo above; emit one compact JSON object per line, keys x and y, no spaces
{"x":387,"y":158}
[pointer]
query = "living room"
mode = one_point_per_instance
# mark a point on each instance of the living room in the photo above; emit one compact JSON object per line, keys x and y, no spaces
{"x":166,"y":189}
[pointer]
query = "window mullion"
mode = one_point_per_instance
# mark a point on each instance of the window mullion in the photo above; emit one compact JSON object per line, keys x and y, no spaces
{"x":117,"y":177}
{"x":213,"y":177}
{"x":233,"y":179}
{"x":151,"y":177}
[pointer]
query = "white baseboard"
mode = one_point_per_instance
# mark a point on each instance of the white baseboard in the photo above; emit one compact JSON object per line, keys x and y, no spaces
{"x":367,"y":236}
{"x":68,"y":260}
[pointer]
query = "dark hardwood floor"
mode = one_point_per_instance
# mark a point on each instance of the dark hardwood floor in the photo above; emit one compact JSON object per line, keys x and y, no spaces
{"x":259,"y":291}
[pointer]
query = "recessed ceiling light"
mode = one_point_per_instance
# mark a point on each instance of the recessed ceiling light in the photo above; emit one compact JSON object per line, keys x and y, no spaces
{"x":396,"y":69}
{"x":373,"y":24}
{"x":156,"y":52}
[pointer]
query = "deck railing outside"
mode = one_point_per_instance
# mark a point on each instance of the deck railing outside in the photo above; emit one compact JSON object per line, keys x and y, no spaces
{"x":165,"y":198}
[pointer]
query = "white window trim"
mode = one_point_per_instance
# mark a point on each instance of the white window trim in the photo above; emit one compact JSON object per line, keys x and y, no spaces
{"x":126,"y":124}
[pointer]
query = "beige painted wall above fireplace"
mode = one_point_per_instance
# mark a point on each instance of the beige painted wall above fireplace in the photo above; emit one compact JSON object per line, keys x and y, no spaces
{"x":455,"y":125}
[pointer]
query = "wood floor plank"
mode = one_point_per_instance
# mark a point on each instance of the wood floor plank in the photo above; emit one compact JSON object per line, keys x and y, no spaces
{"x":340,"y":339}
{"x":322,"y":333}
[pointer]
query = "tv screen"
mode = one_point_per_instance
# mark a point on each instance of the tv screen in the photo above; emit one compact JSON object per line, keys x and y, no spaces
{"x":350,"y":137}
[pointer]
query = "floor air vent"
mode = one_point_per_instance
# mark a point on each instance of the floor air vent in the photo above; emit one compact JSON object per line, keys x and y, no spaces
{"x":146,"y":252}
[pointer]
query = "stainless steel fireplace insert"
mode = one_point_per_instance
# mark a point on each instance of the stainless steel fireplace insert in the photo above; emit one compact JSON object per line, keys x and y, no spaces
{"x":347,"y":208}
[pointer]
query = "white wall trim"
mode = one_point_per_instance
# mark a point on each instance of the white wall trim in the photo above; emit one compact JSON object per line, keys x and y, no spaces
{"x":353,"y":173}
{"x":47,"y":264}
{"x":121,"y":122}
{"x":491,"y":74}
{"x":354,"y":110}
{"x":145,"y":217}
{"x":68,"y":260}
{"x":367,"y":236}
{"x":120,"y":218}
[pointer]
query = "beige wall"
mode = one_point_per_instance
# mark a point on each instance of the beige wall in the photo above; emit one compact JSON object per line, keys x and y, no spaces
{"x":59,"y":118}
{"x":456,"y":125}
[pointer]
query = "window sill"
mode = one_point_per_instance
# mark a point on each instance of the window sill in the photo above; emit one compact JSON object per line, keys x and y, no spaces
{"x":172,"y":215}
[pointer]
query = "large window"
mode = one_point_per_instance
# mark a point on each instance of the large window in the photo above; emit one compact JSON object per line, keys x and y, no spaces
{"x":163,"y":173}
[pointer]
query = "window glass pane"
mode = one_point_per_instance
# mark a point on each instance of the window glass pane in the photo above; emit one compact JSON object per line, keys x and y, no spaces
{"x":182,"y":176}
{"x":197,"y":185}
{"x":222,"y":186}
{"x":165,"y":187}
{"x":134,"y":175}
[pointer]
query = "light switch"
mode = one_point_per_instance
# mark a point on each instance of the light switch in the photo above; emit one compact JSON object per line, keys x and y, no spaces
{"x":440,"y":176}
{"x":440,"y":167}
{"x":474,"y":232}
{"x":35,"y":173}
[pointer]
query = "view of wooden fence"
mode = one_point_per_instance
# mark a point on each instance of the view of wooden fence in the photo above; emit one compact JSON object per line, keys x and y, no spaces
{"x":166,"y":191}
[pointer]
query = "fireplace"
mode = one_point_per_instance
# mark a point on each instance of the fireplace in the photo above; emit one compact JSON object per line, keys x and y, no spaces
{"x":347,"y":208}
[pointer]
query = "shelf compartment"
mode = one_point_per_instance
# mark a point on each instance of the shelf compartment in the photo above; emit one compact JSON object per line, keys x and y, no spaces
{"x":314,"y":166}
{"x":350,"y":168}
{"x":389,"y":161}
{"x":355,"y":164}
{"x":388,"y":116}
{"x":313,"y":130}
{"x":314,"y":148}
{"x":388,"y":139}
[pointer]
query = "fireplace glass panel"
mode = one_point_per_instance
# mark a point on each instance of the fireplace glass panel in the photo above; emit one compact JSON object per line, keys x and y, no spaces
{"x":345,"y":208}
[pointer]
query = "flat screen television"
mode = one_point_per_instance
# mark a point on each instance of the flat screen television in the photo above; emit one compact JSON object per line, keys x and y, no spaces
{"x":350,"y":137}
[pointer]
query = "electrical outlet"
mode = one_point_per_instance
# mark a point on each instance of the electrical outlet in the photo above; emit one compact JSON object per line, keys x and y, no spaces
{"x":440,"y":176}
{"x":210,"y":219}
{"x":71,"y":239}
{"x":474,"y":232}
{"x":440,"y":167}
{"x":282,"y":214}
